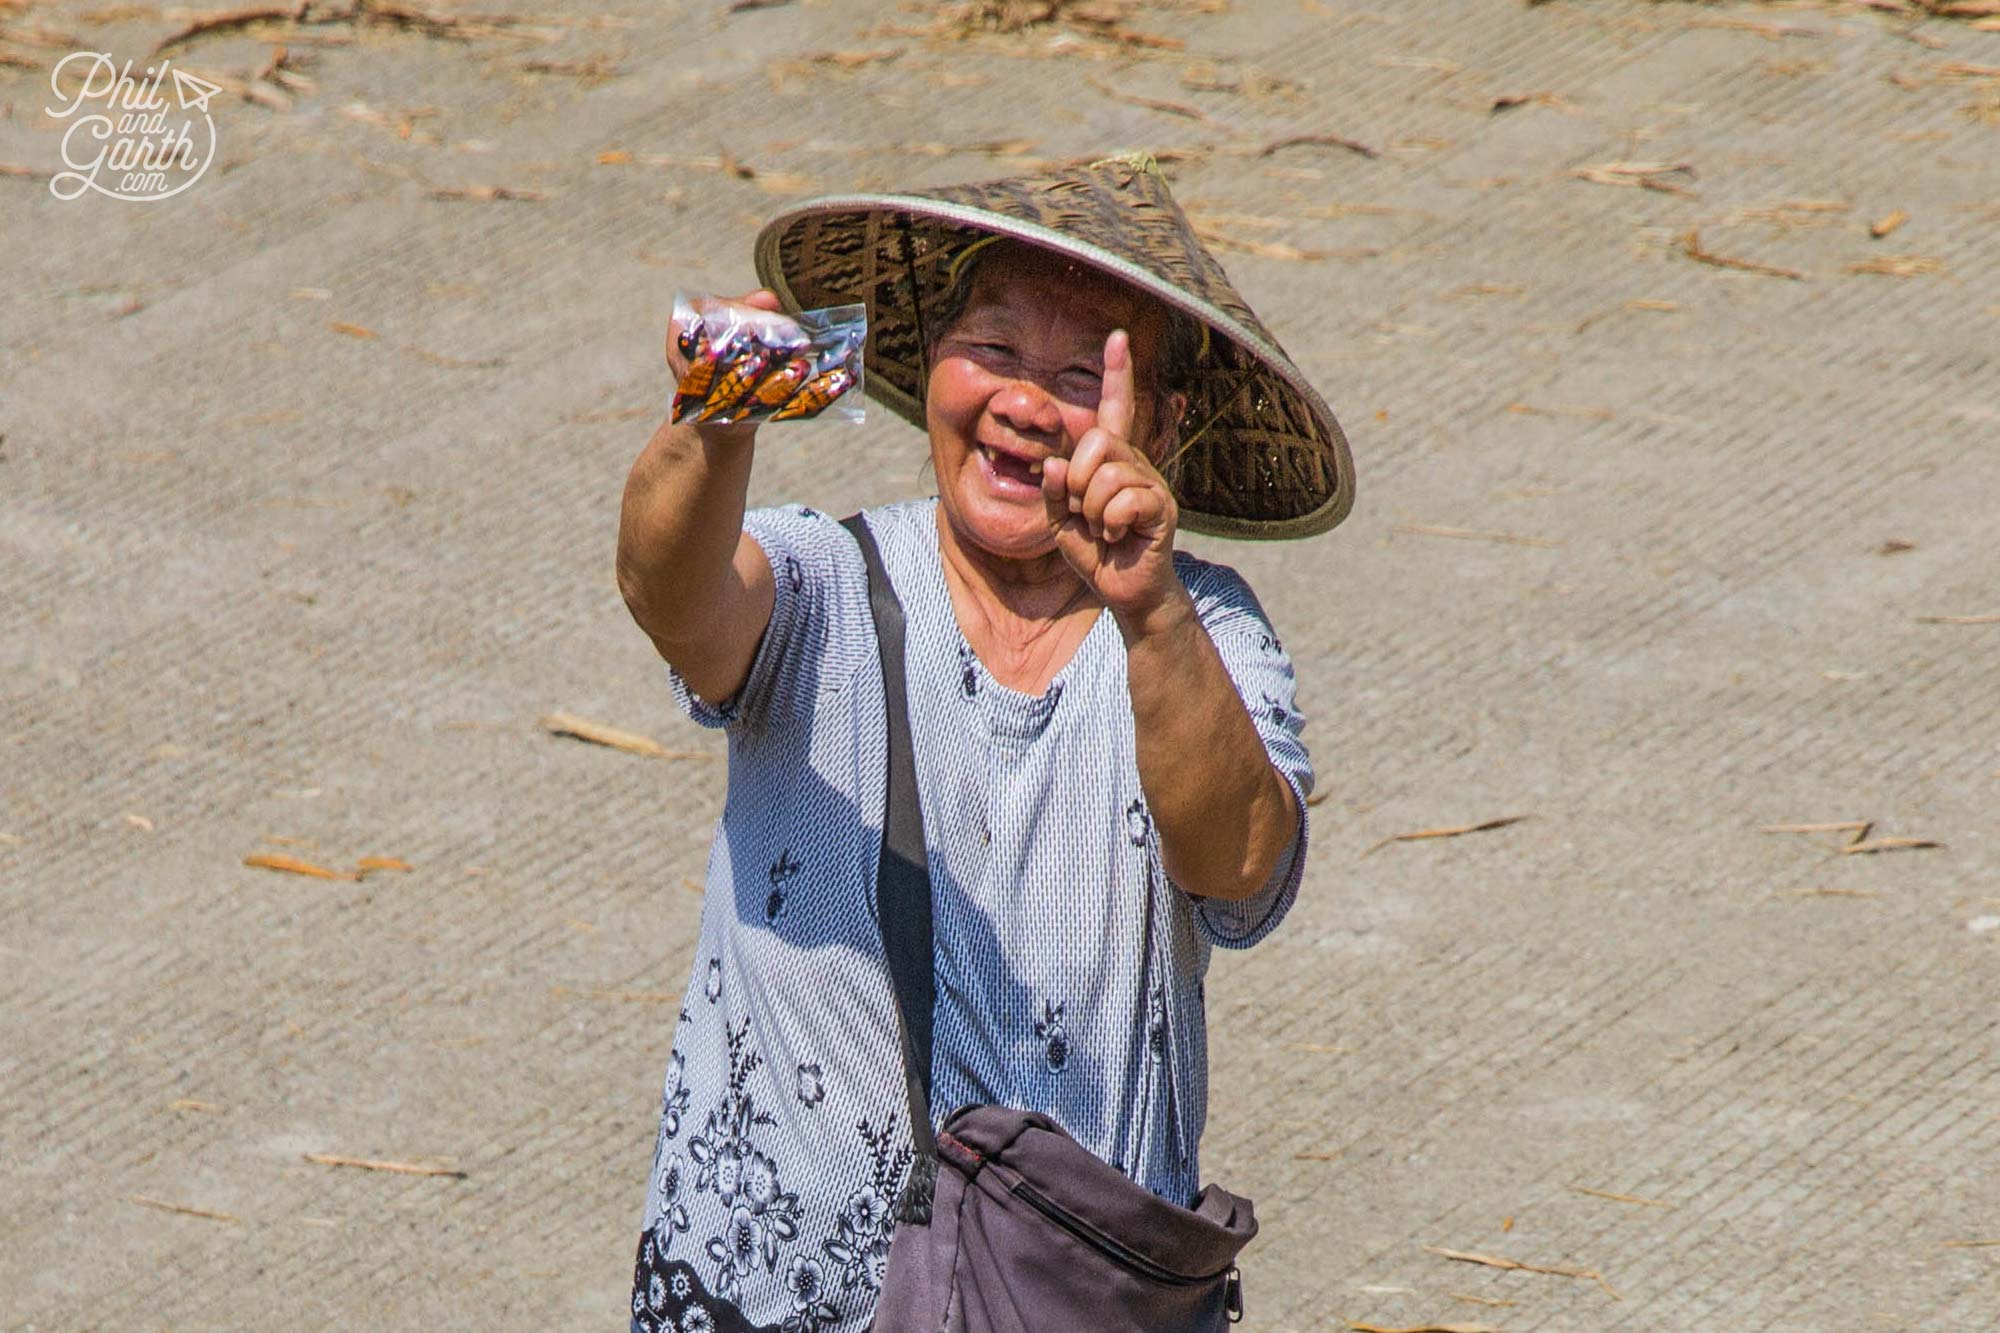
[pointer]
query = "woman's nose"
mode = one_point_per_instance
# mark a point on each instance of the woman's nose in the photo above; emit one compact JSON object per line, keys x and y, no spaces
{"x":1026,"y":407}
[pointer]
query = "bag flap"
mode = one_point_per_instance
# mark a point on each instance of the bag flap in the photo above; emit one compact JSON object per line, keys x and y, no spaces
{"x":1198,"y":1242}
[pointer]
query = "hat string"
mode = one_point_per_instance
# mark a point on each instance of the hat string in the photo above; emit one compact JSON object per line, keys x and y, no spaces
{"x":917,"y":310}
{"x":957,"y":264}
{"x":1227,"y":402}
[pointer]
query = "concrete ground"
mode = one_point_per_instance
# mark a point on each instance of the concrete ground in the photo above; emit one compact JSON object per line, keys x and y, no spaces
{"x":277,"y":586}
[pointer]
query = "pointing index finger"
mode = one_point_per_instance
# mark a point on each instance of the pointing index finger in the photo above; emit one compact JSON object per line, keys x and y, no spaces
{"x":1114,"y":403}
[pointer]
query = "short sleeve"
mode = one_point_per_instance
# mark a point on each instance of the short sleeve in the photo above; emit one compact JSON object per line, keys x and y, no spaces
{"x":807,"y":552}
{"x":1262,"y":672}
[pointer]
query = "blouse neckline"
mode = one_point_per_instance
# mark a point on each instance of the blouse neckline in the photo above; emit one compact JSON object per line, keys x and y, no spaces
{"x":1011,"y":711}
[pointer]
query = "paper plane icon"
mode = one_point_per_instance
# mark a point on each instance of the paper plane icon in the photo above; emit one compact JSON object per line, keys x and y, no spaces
{"x":193,"y":92}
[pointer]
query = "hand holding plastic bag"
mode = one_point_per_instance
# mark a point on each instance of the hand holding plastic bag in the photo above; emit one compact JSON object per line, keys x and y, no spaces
{"x":745,"y":363}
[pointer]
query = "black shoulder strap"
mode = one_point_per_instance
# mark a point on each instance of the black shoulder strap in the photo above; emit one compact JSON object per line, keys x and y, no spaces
{"x":903,"y":884}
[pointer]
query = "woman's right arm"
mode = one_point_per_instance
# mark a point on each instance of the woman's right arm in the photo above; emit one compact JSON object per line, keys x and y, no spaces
{"x":692,"y":578}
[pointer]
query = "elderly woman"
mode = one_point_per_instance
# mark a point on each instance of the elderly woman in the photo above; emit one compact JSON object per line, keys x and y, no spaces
{"x":1106,"y":745}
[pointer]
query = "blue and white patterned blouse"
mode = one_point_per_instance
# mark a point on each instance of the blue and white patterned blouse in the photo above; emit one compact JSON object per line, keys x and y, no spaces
{"x":782,"y":1137}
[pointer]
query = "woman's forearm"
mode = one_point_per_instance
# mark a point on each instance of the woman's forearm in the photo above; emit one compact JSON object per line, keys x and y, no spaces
{"x":692,"y":577}
{"x":1223,"y":812}
{"x":679,"y":527}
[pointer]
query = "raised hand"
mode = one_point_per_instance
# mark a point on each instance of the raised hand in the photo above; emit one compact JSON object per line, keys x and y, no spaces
{"x":1113,"y":513}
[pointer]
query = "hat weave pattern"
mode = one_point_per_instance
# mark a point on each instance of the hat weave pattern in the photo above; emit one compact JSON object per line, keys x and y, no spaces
{"x":1259,"y":454}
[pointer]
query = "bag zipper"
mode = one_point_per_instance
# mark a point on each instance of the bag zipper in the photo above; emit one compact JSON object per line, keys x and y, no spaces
{"x":1105,"y":1245}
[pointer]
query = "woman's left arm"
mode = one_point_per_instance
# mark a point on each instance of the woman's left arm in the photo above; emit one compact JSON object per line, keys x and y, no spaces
{"x":1223,"y":812}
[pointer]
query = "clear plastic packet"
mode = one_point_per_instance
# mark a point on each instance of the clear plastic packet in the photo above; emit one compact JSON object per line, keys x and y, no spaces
{"x":746,"y":364}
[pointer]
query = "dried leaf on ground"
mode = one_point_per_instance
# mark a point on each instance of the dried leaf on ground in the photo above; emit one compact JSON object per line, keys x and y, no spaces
{"x":1011,"y":16}
{"x":403,"y":125}
{"x":487,"y":193}
{"x":592,"y":69}
{"x":1542,"y":98}
{"x":1645,"y":175}
{"x":988,"y":147}
{"x":1837,"y":826}
{"x":1690,"y":245}
{"x":1884,"y":225}
{"x":394,"y":1168}
{"x":1470,"y":1299}
{"x":1468,"y":534}
{"x":1323,"y":140}
{"x":1620,"y":1198}
{"x":597,"y":733}
{"x":282,"y":68}
{"x":852,"y":59}
{"x":1897,"y":266}
{"x":1516,"y":1265}
{"x":1360,"y":1327}
{"x":228,"y":20}
{"x":373,"y":863}
{"x":352,"y":330}
{"x":294,"y":866}
{"x":1793,"y":214}
{"x":1959,"y":620}
{"x":184,"y":1210}
{"x":1454,"y":831}
{"x":1888,"y":845}
{"x":434,"y":23}
{"x":1150,"y":103}
{"x":444,"y":25}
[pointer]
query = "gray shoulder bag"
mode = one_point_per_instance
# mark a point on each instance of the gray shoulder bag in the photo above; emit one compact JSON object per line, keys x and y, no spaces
{"x":1009,"y":1225}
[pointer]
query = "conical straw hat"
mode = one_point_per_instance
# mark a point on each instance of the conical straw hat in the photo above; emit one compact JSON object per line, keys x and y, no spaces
{"x":1261,"y":455}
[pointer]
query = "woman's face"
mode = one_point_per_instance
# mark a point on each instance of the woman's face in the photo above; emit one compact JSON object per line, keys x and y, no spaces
{"x":1016,"y":380}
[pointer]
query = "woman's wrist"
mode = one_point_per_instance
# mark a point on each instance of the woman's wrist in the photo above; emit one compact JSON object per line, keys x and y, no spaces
{"x":1162,"y":622}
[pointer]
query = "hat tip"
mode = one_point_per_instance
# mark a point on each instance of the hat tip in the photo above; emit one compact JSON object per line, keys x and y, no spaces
{"x":1144,"y":163}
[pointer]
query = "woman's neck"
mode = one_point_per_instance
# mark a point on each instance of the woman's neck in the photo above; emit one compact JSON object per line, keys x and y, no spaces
{"x":1024,"y":617}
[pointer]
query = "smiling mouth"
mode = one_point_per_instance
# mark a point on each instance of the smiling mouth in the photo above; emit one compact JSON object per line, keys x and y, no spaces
{"x":1013,"y":467}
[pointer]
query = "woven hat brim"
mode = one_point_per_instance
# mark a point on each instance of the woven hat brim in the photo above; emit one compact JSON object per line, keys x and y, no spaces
{"x":1263,"y":368}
